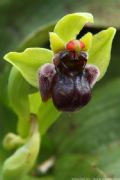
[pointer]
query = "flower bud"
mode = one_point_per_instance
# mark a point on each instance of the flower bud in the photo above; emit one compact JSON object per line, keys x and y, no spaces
{"x":11,"y":141}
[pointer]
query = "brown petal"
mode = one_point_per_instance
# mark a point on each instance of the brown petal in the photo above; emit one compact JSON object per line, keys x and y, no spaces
{"x":46,"y":75}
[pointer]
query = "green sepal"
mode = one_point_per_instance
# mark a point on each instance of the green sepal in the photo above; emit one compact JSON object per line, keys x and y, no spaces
{"x":100,"y":51}
{"x":70,"y":25}
{"x":87,"y":40}
{"x":29,"y":61}
{"x":56,"y":43}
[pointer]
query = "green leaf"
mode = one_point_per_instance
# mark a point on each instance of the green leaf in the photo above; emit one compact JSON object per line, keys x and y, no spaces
{"x":104,"y":164}
{"x":75,"y":166}
{"x":18,"y":90}
{"x":38,"y":38}
{"x":36,"y":178}
{"x":109,"y":160}
{"x":100,"y":51}
{"x":29,"y":61}
{"x":56,"y":42}
{"x":93,"y":131}
{"x":70,"y":25}
{"x":93,"y":128}
{"x":8,"y":122}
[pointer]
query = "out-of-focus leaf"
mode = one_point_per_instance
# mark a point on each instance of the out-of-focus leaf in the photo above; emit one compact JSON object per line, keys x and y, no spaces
{"x":70,"y":25}
{"x":3,"y":85}
{"x":94,"y":127}
{"x":29,"y":61}
{"x":76,"y":166}
{"x":93,"y":131}
{"x":100,"y":51}
{"x":109,"y":160}
{"x":36,"y":178}
{"x":21,"y":162}
{"x":37,"y":38}
{"x":7,"y":123}
{"x":104,"y":164}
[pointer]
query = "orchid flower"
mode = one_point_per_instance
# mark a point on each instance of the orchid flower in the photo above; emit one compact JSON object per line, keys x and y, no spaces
{"x":68,"y":71}
{"x":66,"y":74}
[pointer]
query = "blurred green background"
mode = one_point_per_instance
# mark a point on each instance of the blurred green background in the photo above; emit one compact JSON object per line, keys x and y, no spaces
{"x":86,"y":143}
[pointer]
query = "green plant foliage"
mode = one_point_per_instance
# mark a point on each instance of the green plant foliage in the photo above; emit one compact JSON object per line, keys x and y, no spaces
{"x":91,"y":124}
{"x":38,"y":38}
{"x":18,"y":91}
{"x":19,"y":164}
{"x":8,"y":123}
{"x":35,"y":178}
{"x":77,"y":166}
{"x":92,"y":133}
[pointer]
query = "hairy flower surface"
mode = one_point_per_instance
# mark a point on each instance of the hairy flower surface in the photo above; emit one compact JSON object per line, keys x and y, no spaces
{"x":68,"y":80}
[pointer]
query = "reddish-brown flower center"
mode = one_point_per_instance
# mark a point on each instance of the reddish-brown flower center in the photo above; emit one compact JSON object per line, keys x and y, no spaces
{"x":70,"y":62}
{"x":75,"y":45}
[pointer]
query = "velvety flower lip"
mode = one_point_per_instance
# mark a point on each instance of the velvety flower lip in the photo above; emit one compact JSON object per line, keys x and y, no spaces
{"x":68,"y":81}
{"x":68,"y":71}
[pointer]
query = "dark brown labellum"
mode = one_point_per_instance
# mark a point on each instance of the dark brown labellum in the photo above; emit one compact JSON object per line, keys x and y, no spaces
{"x":70,"y":62}
{"x":68,"y":81}
{"x":70,"y":93}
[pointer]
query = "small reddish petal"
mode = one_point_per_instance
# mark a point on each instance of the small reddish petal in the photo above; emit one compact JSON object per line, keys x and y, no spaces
{"x":71,"y":46}
{"x":82,"y":45}
{"x":92,"y":74}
